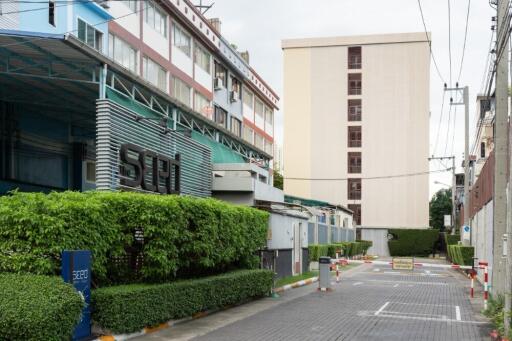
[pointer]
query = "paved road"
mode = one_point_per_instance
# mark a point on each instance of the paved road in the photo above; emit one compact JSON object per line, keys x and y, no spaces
{"x":372,"y":303}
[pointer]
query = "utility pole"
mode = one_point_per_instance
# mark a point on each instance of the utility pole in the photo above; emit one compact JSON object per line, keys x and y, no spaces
{"x":454,"y":185}
{"x":464,"y":93}
{"x":500,"y":280}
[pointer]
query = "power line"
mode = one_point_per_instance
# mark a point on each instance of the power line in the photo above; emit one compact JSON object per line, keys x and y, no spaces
{"x":373,"y":177}
{"x":465,"y":37}
{"x":440,"y":120}
{"x":450,"y":39}
{"x":453,"y":133}
{"x":448,"y":126}
{"x":430,"y":43}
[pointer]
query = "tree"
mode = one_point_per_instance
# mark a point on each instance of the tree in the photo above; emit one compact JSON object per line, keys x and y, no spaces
{"x":440,"y":204}
{"x":278,"y":180}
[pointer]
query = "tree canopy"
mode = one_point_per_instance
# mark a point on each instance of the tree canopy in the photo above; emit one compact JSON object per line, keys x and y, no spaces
{"x":278,"y":180}
{"x":440,"y":204}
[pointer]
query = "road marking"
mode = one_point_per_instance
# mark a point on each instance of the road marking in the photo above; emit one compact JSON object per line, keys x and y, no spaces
{"x":457,"y":313}
{"x":357,"y":283}
{"x":376,"y":270}
{"x":407,"y":282}
{"x":403,"y":317}
{"x":396,"y":285}
{"x":381,"y":309}
{"x":392,"y":273}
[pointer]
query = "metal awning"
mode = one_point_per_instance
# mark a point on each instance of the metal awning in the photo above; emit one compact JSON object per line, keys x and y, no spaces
{"x":62,"y":71}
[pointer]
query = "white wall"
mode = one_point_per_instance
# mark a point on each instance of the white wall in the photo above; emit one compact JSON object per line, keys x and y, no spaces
{"x":155,"y":40}
{"x":482,"y":237}
{"x":282,"y":231}
{"x":182,"y":61}
{"x":130,"y":22}
{"x":379,"y":237}
{"x":202,"y":77}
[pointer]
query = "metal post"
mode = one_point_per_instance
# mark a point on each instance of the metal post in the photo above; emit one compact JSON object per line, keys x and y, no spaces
{"x":499,"y":277}
{"x":454,"y":187}
{"x":103,"y":81}
{"x":466,"y":157}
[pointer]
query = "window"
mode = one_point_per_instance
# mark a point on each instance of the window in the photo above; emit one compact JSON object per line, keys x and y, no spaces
{"x":248,"y":134}
{"x":221,"y":74}
{"x":258,"y":108}
{"x":247,"y":97}
{"x":482,"y":150}
{"x":354,"y":83}
{"x":201,"y":103}
{"x":354,"y":136}
{"x":154,"y":73}
{"x":181,"y":91}
{"x":357,"y":213}
{"x":132,"y":4}
{"x":221,"y":116}
{"x":269,"y":148}
{"x":202,"y":58}
{"x":354,"y":162}
{"x":485,"y":105}
{"x":51,"y":13}
{"x":156,"y":18}
{"x":258,"y":141}
{"x":235,"y":85}
{"x":236,"y":126}
{"x":89,"y":35}
{"x":354,"y":57}
{"x":269,"y":116}
{"x":354,"y":110}
{"x":182,"y":40}
{"x":123,"y":53}
{"x":90,"y":171}
{"x":354,"y":189}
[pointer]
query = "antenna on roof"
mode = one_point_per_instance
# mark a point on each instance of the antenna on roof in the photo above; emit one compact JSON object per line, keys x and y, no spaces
{"x":203,"y":8}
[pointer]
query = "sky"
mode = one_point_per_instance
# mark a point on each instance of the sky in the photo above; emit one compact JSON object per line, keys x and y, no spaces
{"x":259,"y":26}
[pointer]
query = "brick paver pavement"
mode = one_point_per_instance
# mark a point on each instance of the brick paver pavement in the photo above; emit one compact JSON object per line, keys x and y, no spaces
{"x":375,"y":303}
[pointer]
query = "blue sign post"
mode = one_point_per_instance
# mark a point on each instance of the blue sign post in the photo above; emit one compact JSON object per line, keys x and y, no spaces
{"x":76,"y":269}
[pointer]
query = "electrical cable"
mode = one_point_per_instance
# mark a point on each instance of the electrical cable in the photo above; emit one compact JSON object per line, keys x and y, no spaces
{"x":440,"y":121}
{"x":372,"y":177}
{"x":448,"y":126}
{"x":430,"y":43}
{"x":465,"y":38}
{"x":450,"y":40}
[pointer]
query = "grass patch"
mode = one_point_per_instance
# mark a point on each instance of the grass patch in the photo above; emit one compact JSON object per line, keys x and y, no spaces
{"x":292,"y":279}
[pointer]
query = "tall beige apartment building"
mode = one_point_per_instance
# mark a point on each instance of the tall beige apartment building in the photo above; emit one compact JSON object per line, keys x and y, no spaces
{"x":356,"y":127}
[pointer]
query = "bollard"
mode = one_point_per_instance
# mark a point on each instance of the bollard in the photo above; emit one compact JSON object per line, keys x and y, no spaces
{"x":337,"y":273}
{"x":471,"y":293}
{"x":486,"y":287}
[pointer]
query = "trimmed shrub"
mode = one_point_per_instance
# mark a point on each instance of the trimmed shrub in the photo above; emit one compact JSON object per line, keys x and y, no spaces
{"x":182,"y":236}
{"x":316,"y":251}
{"x":412,"y":242}
{"x":461,"y":255}
{"x":129,"y":308}
{"x":36,"y":307}
{"x":365,"y":245}
{"x":349,"y":249}
{"x":451,"y":239}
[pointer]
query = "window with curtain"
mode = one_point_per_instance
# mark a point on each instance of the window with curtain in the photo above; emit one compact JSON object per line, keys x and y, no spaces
{"x":122,"y":53}
{"x":154,"y":73}
{"x":156,"y":18}
{"x":181,"y":91}
{"x":182,"y":40}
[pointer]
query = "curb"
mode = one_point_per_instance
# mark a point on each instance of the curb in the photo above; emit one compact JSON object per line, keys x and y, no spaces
{"x":149,"y":330}
{"x":296,"y":284}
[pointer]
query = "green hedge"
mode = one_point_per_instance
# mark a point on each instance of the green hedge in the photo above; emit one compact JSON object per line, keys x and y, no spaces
{"x":182,"y":235}
{"x":451,"y":239}
{"x":37,"y":308}
{"x":349,"y":249}
{"x":461,"y":255}
{"x":129,"y":308}
{"x":412,"y":242}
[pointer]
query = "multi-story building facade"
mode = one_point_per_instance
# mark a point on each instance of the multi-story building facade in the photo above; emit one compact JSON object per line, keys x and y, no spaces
{"x":160,"y":61}
{"x":356,"y":127}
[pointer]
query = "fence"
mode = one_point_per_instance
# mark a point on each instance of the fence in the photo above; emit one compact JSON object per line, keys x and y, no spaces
{"x":324,"y":234}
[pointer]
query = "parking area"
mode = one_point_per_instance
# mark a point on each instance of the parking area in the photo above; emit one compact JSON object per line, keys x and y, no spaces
{"x":370,"y":303}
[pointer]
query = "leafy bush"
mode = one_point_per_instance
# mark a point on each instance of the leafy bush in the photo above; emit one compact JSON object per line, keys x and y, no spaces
{"x":365,"y":245}
{"x":462,"y":255}
{"x":316,"y":251}
{"x":128,"y":308}
{"x":451,"y":239}
{"x":412,"y":242}
{"x":349,"y":249}
{"x":495,"y":313}
{"x":36,"y":307}
{"x":182,"y":236}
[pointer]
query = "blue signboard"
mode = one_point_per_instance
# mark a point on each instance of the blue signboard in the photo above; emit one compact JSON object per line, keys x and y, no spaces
{"x":76,"y":269}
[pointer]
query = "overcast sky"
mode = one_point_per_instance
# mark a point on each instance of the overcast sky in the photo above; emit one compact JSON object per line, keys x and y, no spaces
{"x":259,"y":26}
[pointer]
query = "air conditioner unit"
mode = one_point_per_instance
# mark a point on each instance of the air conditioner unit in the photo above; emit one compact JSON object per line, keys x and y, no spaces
{"x":235,"y":96}
{"x":219,"y":84}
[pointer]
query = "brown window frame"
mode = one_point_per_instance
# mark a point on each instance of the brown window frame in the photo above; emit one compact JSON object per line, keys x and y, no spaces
{"x":354,"y":142}
{"x":354,"y":167}
{"x":355,"y":83}
{"x":354,"y":110}
{"x":355,"y":57}
{"x":356,"y":208}
{"x":354,"y":189}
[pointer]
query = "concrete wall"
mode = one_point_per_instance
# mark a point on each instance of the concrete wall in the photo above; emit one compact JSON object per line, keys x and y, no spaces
{"x":379,"y":239}
{"x":482,"y":229}
{"x":395,"y":124}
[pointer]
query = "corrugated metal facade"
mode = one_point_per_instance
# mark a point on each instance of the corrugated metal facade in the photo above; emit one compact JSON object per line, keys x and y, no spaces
{"x":117,"y":125}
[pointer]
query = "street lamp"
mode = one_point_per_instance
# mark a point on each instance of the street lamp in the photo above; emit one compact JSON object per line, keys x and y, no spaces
{"x":441,"y":183}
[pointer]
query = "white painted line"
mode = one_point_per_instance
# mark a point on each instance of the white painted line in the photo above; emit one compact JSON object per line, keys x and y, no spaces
{"x":457,"y":313}
{"x":396,"y":285}
{"x":357,"y":283}
{"x":381,"y":309}
{"x":376,"y":270}
{"x":427,"y":272}
{"x":408,"y":282}
{"x":392,"y":273}
{"x":435,"y":319}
